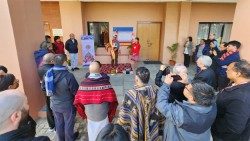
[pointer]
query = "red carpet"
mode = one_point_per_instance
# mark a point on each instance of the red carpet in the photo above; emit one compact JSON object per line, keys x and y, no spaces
{"x":107,"y":68}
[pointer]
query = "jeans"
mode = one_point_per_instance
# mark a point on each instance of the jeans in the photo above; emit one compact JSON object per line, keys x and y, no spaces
{"x":73,"y":60}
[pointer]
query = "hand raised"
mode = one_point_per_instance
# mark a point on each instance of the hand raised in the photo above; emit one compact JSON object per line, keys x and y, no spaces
{"x":168,"y":79}
{"x":162,"y":67}
{"x":215,"y":53}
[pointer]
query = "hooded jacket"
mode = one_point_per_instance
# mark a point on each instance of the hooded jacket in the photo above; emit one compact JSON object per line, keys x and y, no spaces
{"x":184,"y":121}
{"x":66,"y":87}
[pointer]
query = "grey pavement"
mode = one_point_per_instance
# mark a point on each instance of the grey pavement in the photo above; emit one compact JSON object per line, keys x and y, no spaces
{"x":120,"y":82}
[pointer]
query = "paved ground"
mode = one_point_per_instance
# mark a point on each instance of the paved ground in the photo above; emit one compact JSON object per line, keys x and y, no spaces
{"x":120,"y":82}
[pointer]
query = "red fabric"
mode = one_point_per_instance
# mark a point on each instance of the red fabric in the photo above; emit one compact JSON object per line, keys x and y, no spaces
{"x":225,"y":55}
{"x":84,"y":97}
{"x":136,"y":49}
{"x":59,"y":48}
{"x":107,"y":68}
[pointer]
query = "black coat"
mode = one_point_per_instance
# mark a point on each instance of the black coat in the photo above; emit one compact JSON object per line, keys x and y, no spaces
{"x":41,"y":72}
{"x":43,"y":69}
{"x":207,"y":76}
{"x":20,"y":135}
{"x":233,"y":114}
{"x":71,"y":46}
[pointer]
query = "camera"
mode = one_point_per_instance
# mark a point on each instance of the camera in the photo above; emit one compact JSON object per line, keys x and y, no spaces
{"x":166,"y":71}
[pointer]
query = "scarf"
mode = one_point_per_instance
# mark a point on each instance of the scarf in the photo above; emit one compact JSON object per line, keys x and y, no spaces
{"x":49,"y":80}
{"x":96,"y":90}
{"x":225,"y":55}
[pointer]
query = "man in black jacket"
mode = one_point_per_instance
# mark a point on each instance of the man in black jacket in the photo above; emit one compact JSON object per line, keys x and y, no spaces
{"x":71,"y":46}
{"x":61,"y":102}
{"x":48,"y":63}
{"x":233,"y":103}
{"x":13,"y":111}
{"x":206,"y":74}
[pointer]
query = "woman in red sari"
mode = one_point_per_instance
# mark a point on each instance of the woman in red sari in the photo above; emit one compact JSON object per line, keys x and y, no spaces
{"x":135,"y":53}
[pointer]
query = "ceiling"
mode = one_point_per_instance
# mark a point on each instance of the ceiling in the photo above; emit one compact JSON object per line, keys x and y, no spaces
{"x":204,"y":1}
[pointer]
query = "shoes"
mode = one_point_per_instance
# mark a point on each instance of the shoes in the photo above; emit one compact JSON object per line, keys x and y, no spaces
{"x":72,"y":69}
{"x":51,"y":129}
{"x":76,"y":134}
{"x":76,"y":68}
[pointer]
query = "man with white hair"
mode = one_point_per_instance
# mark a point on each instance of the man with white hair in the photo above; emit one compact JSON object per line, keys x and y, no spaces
{"x":178,"y":85}
{"x":206,"y":74}
{"x":71,"y":46}
{"x":14,"y":110}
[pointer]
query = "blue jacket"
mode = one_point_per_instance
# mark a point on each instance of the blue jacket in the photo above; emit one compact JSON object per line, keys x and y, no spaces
{"x":224,"y":63}
{"x":184,"y":121}
{"x":71,"y":46}
{"x":66,"y":87}
{"x":208,"y":76}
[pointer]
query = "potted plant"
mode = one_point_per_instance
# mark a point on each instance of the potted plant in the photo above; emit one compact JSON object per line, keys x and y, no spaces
{"x":173,"y":50}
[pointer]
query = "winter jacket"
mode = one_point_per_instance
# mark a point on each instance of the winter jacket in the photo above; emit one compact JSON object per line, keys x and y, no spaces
{"x":176,"y":88}
{"x":21,"y":135}
{"x":233,"y":117}
{"x":66,"y":87}
{"x":184,"y":121}
{"x":189,"y":46}
{"x":58,"y":47}
{"x":224,"y":63}
{"x":43,"y":69}
{"x":207,"y":76}
{"x":71,"y":46}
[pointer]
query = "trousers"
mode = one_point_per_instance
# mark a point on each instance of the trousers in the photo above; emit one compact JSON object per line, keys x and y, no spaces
{"x":65,"y":122}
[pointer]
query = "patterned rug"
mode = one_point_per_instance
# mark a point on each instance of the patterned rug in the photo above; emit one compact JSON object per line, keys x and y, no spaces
{"x":108,"y":69}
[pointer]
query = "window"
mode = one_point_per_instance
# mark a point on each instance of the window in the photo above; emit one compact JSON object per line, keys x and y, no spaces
{"x":222,"y":31}
{"x":100,"y":31}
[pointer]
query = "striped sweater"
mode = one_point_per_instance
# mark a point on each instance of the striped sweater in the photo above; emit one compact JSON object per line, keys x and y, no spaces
{"x":138,"y":114}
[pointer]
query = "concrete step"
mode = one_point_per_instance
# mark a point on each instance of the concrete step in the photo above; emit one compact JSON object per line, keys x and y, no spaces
{"x":104,"y":57}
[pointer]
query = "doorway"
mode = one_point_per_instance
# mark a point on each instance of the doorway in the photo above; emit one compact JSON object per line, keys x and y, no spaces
{"x":149,"y":35}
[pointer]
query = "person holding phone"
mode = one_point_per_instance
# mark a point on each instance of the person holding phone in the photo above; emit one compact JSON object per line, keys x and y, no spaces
{"x":180,"y":79}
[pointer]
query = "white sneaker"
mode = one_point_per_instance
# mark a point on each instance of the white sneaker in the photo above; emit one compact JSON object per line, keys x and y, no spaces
{"x":51,"y":129}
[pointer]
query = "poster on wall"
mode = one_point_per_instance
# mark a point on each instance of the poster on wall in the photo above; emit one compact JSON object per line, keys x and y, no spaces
{"x":88,"y":49}
{"x":57,"y":32}
{"x":124,"y":34}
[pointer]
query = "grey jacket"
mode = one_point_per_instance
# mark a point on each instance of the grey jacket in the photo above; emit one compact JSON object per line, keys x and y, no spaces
{"x":184,"y":121}
{"x":189,"y":46}
{"x":66,"y":87}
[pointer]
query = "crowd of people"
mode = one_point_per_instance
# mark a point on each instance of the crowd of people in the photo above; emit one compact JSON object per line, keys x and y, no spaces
{"x":214,"y":105}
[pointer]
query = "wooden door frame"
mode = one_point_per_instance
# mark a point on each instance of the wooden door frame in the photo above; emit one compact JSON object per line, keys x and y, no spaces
{"x":149,"y":22}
